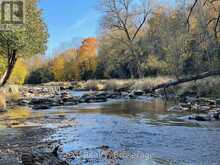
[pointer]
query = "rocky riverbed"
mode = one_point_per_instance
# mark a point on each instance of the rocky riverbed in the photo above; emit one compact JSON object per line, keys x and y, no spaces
{"x":42,"y":98}
{"x":119,"y":131}
{"x":203,"y":109}
{"x":110,"y":127}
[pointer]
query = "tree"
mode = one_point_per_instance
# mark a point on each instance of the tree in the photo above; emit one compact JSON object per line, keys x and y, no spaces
{"x":58,"y":68}
{"x":71,"y":68}
{"x":19,"y":73}
{"x":41,"y":75}
{"x":213,"y":6}
{"x":28,"y":40}
{"x":64,"y":65}
{"x":129,"y":17}
{"x":87,"y":58}
{"x":164,"y":45}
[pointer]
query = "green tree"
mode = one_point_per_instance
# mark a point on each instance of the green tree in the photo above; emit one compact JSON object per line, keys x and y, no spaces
{"x":41,"y":75}
{"x":28,"y":40}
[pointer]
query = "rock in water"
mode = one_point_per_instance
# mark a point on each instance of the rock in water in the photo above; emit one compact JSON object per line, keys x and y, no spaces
{"x":39,"y":158}
{"x":217,"y":115}
{"x":218,"y":101}
{"x":200,"y":118}
{"x":138,"y":92}
{"x":40,"y":107}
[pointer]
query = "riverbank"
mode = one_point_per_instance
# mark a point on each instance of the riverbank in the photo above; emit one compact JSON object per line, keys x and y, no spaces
{"x":207,"y":87}
{"x":42,"y":98}
{"x":196,"y":97}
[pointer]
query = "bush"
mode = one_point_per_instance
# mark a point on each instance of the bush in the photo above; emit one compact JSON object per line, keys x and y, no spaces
{"x":12,"y":93}
{"x":42,"y":75}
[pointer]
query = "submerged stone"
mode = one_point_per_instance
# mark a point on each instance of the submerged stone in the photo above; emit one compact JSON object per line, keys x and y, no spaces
{"x":40,"y":107}
{"x":200,"y":118}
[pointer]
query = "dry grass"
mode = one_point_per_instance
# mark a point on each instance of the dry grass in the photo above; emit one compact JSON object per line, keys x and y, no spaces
{"x":12,"y":93}
{"x":209,"y":87}
{"x":2,"y":100}
{"x":148,"y":83}
{"x":129,"y":84}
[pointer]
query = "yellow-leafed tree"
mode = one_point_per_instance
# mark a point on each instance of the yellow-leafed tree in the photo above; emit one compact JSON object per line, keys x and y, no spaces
{"x":58,"y":68}
{"x":19,"y":73}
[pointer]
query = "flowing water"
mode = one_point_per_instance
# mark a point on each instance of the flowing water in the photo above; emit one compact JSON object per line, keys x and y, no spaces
{"x":142,"y":131}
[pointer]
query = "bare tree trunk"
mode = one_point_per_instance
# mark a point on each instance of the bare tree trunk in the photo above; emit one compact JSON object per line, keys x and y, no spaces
{"x":184,"y":80}
{"x":11,"y":63}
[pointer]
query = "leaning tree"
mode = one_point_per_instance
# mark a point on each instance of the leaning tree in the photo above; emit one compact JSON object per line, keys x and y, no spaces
{"x":23,"y":41}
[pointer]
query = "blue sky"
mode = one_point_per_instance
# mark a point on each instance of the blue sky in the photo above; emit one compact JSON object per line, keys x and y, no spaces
{"x":68,"y":21}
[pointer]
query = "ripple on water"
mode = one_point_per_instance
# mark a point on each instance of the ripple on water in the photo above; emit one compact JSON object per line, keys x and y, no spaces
{"x":132,"y":126}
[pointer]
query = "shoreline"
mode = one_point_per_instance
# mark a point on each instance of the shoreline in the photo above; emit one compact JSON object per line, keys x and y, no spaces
{"x":45,"y":97}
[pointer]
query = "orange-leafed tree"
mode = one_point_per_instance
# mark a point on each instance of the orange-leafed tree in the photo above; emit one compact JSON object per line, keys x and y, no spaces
{"x":87,"y":58}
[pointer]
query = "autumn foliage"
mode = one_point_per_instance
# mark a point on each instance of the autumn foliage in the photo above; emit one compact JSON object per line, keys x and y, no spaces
{"x":86,"y":58}
{"x":154,"y":41}
{"x":76,"y":63}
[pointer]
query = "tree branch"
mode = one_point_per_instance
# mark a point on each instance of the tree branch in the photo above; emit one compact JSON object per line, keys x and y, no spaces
{"x":190,"y":13}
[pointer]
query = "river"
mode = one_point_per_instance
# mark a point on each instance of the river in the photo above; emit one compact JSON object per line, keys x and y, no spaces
{"x":141,"y":131}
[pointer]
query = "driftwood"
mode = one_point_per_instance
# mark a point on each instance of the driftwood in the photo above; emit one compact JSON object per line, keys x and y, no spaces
{"x":184,"y":80}
{"x":39,"y":158}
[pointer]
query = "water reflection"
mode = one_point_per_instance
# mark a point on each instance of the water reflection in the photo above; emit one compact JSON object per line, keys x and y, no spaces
{"x":124,"y":125}
{"x":16,"y":117}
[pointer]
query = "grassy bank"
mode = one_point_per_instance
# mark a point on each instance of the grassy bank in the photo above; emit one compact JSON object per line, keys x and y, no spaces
{"x":8,"y":94}
{"x":209,"y":87}
{"x":123,"y":85}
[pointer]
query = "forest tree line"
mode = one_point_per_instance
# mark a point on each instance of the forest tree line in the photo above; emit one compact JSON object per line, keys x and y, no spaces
{"x":137,"y":39}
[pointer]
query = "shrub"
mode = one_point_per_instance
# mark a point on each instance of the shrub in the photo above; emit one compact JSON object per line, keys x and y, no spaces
{"x":42,"y":75}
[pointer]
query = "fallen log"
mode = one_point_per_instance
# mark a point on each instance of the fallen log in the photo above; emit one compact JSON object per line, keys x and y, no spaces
{"x":184,"y":80}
